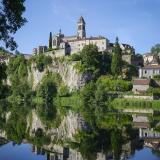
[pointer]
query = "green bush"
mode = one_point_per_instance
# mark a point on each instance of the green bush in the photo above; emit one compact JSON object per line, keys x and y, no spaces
{"x":42,"y":61}
{"x":110,"y":84}
{"x":157,"y":77}
{"x":75,"y":57}
{"x":63,"y":91}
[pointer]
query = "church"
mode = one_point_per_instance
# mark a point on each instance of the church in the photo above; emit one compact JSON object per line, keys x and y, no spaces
{"x":67,"y":45}
{"x":74,"y":44}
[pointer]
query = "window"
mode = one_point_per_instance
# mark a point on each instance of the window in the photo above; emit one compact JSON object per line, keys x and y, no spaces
{"x":145,"y":71}
{"x":54,"y":42}
{"x":153,"y":71}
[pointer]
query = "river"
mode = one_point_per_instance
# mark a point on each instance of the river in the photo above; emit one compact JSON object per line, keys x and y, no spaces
{"x":11,"y":151}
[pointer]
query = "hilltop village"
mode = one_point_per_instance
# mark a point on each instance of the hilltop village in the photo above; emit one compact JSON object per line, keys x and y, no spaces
{"x":83,"y":93}
{"x":147,"y":64}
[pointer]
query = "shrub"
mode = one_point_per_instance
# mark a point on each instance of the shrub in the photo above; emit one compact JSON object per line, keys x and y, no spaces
{"x":63,"y":91}
{"x":42,"y":61}
{"x":157,"y":77}
{"x":110,"y":84}
{"x":75,"y":57}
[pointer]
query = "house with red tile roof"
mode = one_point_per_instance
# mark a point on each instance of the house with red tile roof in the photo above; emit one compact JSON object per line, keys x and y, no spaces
{"x":141,"y":85}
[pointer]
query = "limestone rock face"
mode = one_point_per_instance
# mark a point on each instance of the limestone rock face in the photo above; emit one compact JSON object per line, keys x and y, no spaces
{"x":70,"y":76}
{"x":34,"y":76}
{"x":34,"y":122}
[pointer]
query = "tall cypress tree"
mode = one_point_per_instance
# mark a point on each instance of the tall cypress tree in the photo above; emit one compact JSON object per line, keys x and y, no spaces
{"x":50,"y":40}
{"x":116,"y":65}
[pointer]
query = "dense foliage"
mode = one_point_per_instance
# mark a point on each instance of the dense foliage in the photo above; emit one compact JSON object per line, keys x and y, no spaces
{"x":155,"y":49}
{"x":11,"y":19}
{"x":42,"y":61}
{"x":116,"y":66}
{"x":46,"y":92}
{"x":92,"y":61}
{"x":51,"y":100}
{"x":110,"y":84}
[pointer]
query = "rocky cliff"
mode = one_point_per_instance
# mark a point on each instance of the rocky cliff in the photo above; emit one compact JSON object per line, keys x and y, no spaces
{"x":70,"y":76}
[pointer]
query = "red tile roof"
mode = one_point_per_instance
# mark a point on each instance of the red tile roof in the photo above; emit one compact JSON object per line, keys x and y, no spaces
{"x":141,"y":82}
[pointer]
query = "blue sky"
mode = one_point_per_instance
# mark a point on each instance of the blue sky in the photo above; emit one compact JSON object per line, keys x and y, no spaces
{"x":135,"y":22}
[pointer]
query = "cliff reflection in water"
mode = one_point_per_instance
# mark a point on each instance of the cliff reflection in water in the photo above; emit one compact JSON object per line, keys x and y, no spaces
{"x":129,"y":132}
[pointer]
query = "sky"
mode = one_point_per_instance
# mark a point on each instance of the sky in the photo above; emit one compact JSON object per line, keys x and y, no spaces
{"x":135,"y":22}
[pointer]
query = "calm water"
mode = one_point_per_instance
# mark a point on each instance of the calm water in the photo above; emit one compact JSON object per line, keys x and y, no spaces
{"x":19,"y":152}
{"x":24,"y":152}
{"x":145,"y":154}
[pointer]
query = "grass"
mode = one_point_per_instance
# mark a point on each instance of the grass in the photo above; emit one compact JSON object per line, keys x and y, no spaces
{"x":135,"y":104}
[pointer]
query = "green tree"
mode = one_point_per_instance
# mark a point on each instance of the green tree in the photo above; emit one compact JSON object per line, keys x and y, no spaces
{"x":90,"y":58}
{"x":156,"y":49}
{"x":42,"y":61}
{"x":50,"y":40}
{"x":11,"y":19}
{"x":88,"y":103}
{"x":46,"y":91}
{"x":3,"y":68}
{"x":116,"y":143}
{"x":116,"y":65}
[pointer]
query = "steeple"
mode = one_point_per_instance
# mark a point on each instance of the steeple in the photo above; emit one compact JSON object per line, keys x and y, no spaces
{"x":81,"y":31}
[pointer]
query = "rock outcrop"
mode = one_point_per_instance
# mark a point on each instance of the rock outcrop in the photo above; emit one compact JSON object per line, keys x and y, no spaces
{"x":70,"y":76}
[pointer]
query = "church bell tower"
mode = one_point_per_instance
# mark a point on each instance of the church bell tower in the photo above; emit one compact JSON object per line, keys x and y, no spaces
{"x":81,"y":31}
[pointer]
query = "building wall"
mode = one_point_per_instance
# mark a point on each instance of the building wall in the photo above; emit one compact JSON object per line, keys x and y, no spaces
{"x":77,"y":46}
{"x":140,"y":88}
{"x":148,"y":73}
{"x":128,"y":58}
{"x":148,"y":133}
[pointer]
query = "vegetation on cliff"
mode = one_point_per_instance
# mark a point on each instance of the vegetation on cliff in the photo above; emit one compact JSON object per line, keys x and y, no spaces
{"x":52,"y":99}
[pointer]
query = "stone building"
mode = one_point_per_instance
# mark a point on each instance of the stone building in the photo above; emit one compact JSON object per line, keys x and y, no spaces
{"x":149,"y":71}
{"x":141,"y":85}
{"x":40,"y":49}
{"x":148,"y":133}
{"x":133,"y":59}
{"x":67,"y":45}
{"x":150,"y":59}
{"x":74,"y":44}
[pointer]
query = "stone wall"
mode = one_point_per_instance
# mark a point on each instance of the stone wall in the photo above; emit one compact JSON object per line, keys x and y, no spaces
{"x":138,"y":97}
{"x":140,"y":87}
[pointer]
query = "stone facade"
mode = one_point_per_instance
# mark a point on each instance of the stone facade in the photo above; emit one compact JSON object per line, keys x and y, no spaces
{"x":150,"y":59}
{"x":148,"y":133}
{"x":74,"y":44}
{"x":141,"y":85}
{"x":40,"y":49}
{"x":66,"y":45}
{"x":133,"y":59}
{"x":149,"y":71}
